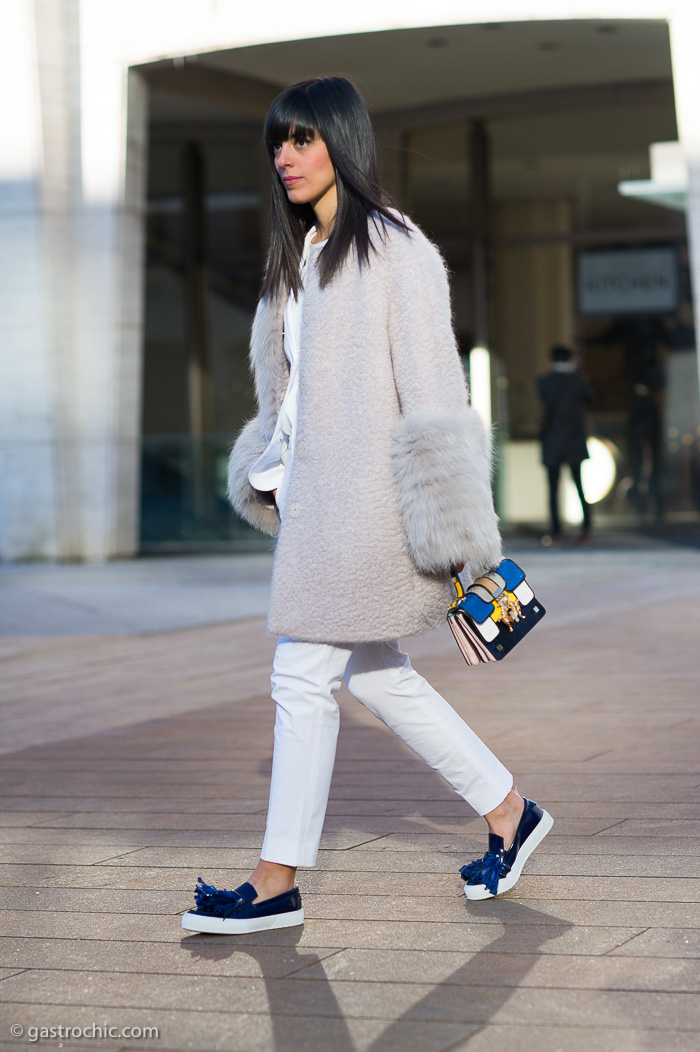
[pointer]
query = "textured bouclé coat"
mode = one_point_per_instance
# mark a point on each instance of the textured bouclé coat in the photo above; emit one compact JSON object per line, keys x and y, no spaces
{"x":390,"y":480}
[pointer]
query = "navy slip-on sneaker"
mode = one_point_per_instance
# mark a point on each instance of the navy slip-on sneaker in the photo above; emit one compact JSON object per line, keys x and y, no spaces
{"x":234,"y":912}
{"x":499,"y":870}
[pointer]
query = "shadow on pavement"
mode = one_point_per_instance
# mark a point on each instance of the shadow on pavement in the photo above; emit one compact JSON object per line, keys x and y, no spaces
{"x":479,"y":1001}
{"x":326,"y":1007}
{"x":534,"y":932}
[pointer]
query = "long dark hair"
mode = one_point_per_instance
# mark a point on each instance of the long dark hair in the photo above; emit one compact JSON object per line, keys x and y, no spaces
{"x":332,"y":109}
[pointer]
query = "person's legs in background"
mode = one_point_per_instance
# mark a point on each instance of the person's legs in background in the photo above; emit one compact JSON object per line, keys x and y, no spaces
{"x":553,"y":472}
{"x":585,"y":506}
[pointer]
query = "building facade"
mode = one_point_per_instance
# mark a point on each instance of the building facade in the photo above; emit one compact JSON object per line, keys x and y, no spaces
{"x":132,"y":238}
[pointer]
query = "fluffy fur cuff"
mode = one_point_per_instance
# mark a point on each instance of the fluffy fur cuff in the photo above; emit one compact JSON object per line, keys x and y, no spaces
{"x":442,"y":468}
{"x":245,"y":500}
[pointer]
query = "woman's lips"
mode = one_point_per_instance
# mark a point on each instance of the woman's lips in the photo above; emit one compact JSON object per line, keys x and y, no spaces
{"x":290,"y":180}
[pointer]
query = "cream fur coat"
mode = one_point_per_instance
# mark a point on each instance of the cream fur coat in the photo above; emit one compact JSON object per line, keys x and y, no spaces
{"x":390,"y":481}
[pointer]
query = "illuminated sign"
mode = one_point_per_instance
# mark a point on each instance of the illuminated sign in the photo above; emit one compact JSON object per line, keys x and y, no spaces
{"x":634,"y":281}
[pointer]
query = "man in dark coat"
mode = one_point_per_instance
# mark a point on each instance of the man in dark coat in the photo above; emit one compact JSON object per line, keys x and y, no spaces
{"x":564,"y":393}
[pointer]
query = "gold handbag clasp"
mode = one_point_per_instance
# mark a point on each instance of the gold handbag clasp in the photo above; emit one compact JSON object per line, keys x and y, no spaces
{"x":507,"y":609}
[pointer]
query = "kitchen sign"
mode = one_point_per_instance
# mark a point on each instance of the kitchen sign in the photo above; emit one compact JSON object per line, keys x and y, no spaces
{"x":628,"y":281}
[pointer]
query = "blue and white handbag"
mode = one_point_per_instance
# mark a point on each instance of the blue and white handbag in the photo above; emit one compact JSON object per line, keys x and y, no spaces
{"x":494,"y":614}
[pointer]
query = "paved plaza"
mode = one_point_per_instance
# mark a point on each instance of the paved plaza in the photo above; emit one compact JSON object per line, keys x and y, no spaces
{"x":136,"y":752}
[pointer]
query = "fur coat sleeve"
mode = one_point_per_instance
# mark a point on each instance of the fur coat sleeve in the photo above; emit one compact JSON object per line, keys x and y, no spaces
{"x":271,"y":374}
{"x":246,"y":501}
{"x":440,"y":447}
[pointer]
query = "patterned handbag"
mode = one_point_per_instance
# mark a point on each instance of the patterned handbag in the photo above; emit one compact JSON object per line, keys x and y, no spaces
{"x":494,"y":614}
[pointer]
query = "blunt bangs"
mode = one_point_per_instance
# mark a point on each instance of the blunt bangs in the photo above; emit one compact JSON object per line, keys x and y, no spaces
{"x":289,"y":115}
{"x":330,"y":109}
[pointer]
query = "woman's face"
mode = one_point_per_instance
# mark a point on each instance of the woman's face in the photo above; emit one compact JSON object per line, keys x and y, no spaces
{"x":306,"y":171}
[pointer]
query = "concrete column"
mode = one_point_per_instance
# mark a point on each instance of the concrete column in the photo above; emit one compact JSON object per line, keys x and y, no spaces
{"x":685,"y":47}
{"x":72,"y":248}
{"x":27,"y":455}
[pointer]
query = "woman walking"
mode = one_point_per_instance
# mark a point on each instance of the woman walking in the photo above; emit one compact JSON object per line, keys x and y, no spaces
{"x":367,"y":461}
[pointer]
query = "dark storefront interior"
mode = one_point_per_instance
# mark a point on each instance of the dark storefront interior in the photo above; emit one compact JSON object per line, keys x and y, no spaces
{"x":507,"y":145}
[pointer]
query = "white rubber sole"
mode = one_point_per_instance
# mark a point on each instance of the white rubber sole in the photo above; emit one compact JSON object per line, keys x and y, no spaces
{"x":230,"y":926}
{"x":478,"y":891}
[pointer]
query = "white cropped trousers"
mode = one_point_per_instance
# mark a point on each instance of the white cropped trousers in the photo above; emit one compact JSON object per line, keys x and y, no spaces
{"x":305,"y":679}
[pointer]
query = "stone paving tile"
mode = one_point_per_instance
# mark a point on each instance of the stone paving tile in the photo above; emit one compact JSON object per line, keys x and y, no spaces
{"x":448,"y":1002}
{"x":102,"y":926}
{"x":218,"y":858}
{"x":489,"y":937}
{"x":611,"y":889}
{"x":326,"y":882}
{"x":106,"y":805}
{"x":498,"y":1038}
{"x":178,"y":821}
{"x":38,"y":876}
{"x":231,"y":958}
{"x":82,"y":900}
{"x":45,"y":837}
{"x":517,"y":970}
{"x":429,"y":839}
{"x":266,"y":962}
{"x":628,"y":914}
{"x":437,"y":809}
{"x":643,"y":809}
{"x":129,"y":767}
{"x":184,"y":822}
{"x":69,"y":855}
{"x":371,"y":860}
{"x":229,"y":1032}
{"x":530,"y":933}
{"x":621,"y":787}
{"x":68,"y":876}
{"x":388,"y":882}
{"x":657,"y":827}
{"x":27,"y":818}
{"x":458,"y":910}
{"x":133,"y":839}
{"x":661,"y":943}
{"x":554,"y":845}
{"x":564,"y":865}
{"x":677,"y":847}
{"x":105,"y":1045}
{"x":405,"y":908}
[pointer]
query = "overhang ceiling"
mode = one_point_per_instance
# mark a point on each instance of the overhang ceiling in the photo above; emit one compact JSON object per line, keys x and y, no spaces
{"x":571,"y":104}
{"x":401,"y":69}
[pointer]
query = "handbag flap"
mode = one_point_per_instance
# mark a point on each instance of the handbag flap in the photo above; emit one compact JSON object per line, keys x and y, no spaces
{"x":511,"y":574}
{"x":476,"y":607}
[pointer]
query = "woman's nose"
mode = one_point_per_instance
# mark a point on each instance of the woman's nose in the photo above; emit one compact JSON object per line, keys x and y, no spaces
{"x":283,"y":157}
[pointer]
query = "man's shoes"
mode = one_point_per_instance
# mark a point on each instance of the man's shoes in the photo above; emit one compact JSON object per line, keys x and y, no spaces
{"x":234,"y":912}
{"x":499,"y":870}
